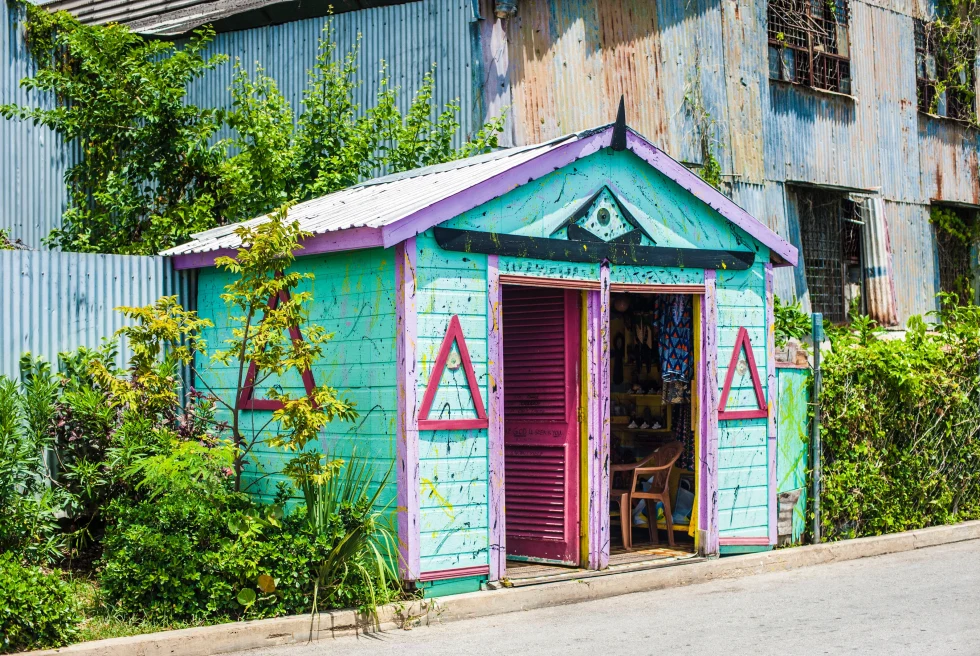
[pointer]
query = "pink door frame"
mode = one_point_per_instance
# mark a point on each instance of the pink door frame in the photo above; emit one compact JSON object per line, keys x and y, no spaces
{"x":597,"y":314}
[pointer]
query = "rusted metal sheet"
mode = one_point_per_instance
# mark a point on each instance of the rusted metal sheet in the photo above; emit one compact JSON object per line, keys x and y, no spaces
{"x":52,"y":302}
{"x":948,"y":161}
{"x":746,"y":73}
{"x":569,"y":62}
{"x":914,"y":253}
{"x":33,"y":159}
{"x":894,"y":105}
{"x":821,"y":137}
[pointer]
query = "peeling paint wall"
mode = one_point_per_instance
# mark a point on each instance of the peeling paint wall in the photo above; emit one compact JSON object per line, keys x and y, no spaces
{"x":354,"y":299}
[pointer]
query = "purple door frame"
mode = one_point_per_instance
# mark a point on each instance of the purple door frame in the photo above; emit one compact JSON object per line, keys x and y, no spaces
{"x":597,"y":314}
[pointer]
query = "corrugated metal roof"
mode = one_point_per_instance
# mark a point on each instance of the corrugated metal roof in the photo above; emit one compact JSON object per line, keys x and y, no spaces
{"x":173,"y":17}
{"x":384,"y":201}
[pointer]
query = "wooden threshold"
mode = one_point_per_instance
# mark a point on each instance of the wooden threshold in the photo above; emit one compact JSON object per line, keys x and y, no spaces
{"x":521,"y":573}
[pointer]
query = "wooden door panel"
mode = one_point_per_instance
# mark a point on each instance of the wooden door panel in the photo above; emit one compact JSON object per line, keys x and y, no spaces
{"x":541,"y":349}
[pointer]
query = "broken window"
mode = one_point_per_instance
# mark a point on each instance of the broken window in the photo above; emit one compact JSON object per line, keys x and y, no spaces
{"x":831,"y":240}
{"x":809,"y":43}
{"x":944,"y":86}
{"x":956,"y":230}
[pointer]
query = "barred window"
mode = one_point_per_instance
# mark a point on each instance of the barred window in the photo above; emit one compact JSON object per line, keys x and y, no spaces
{"x":809,"y":43}
{"x":831,"y":236}
{"x":942,"y":88}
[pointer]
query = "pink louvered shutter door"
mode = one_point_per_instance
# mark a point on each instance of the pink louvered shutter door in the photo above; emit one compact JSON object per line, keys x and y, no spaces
{"x":541,"y":350}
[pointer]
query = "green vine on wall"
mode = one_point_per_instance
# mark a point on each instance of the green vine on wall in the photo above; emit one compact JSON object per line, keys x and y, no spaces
{"x":704,"y":122}
{"x":953,"y":37}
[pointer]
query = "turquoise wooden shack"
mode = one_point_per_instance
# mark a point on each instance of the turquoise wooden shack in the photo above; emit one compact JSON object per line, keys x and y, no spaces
{"x":521,"y":330}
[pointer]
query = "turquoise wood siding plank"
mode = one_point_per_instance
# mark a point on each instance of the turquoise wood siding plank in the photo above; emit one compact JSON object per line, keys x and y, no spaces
{"x":743,"y":453}
{"x":656,"y":275}
{"x":353,"y":298}
{"x":453,"y":465}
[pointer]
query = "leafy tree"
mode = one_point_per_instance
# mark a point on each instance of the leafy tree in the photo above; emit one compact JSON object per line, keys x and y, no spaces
{"x":152,"y":170}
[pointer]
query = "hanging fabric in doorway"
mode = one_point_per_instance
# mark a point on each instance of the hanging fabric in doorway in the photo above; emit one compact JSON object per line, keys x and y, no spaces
{"x":674,"y":316}
{"x":879,"y":278}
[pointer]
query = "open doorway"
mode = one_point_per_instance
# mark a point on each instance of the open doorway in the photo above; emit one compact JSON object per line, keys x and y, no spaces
{"x":653,"y":440}
{"x":653,"y":366}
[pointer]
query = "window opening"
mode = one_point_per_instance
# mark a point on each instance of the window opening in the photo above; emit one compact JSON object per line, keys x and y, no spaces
{"x":942,"y":87}
{"x":809,"y":43}
{"x":956,"y":230}
{"x":831,"y":235}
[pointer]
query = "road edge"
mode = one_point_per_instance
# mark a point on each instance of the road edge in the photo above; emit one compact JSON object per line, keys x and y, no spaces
{"x":298,"y":629}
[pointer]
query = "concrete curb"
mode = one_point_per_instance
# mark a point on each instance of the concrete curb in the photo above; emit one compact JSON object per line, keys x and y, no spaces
{"x":239,"y":636}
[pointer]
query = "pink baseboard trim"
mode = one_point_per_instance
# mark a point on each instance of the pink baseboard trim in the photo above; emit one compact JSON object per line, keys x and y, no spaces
{"x":744,"y":542}
{"x":443,"y":574}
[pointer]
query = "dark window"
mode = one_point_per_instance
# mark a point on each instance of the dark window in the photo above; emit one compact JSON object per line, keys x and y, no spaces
{"x":943,"y":87}
{"x":955,"y":230}
{"x":830,"y":233}
{"x":809,"y":43}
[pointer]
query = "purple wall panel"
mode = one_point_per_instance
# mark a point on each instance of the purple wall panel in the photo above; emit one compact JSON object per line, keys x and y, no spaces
{"x":409,"y":486}
{"x":592,"y":380}
{"x":709,"y":414}
{"x":495,"y":324}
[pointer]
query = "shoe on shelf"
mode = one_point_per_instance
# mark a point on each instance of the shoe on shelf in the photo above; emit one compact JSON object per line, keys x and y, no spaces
{"x":644,"y":426}
{"x":633,"y":425}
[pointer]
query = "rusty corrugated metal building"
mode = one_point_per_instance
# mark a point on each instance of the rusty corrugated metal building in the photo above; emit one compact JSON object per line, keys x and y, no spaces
{"x":810,"y":108}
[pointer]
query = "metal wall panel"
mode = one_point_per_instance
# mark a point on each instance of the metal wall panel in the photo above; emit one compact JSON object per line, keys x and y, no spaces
{"x":33,"y":159}
{"x":409,"y":38}
{"x":948,"y":161}
{"x":914,"y":254}
{"x":52,"y":302}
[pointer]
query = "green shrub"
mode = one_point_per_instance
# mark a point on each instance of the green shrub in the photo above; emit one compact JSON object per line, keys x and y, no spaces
{"x":28,"y":506}
{"x":189,"y":557}
{"x":901,"y":426}
{"x":37,"y":610}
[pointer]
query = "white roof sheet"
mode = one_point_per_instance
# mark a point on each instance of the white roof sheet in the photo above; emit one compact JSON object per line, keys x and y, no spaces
{"x":384,"y":201}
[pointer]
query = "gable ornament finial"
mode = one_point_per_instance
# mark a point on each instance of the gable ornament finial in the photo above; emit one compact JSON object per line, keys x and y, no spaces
{"x":619,"y":128}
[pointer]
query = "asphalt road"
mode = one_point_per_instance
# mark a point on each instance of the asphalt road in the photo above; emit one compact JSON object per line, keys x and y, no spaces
{"x":921,"y":602}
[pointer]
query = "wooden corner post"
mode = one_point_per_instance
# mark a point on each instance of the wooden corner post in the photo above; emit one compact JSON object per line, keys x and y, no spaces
{"x":406,"y":347}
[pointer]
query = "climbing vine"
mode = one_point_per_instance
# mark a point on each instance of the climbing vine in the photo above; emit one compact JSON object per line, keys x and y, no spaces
{"x":952,"y":40}
{"x":704,"y":123}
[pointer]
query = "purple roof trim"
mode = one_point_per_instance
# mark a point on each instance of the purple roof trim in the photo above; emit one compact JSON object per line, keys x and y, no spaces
{"x":201,"y":260}
{"x":783,"y":253}
{"x":351,"y":239}
{"x":711,"y":197}
{"x":498,"y":185}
